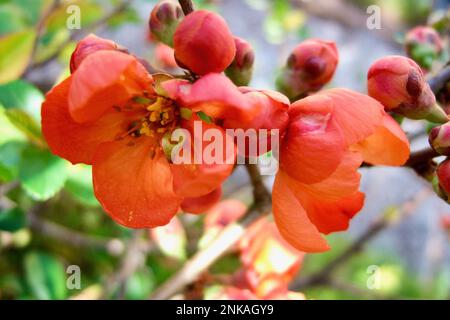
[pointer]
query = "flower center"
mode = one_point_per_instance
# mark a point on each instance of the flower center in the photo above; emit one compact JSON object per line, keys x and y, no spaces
{"x":161,"y":118}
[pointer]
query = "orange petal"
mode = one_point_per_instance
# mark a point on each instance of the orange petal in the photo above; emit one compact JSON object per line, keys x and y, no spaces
{"x":134,"y":184}
{"x":332,"y":216}
{"x":73,"y":141}
{"x":313,"y":146}
{"x":203,"y":203}
{"x":292,"y":220}
{"x":194,"y":180}
{"x":344,"y":181}
{"x":105,"y":79}
{"x":387,"y":146}
{"x":213,"y":94}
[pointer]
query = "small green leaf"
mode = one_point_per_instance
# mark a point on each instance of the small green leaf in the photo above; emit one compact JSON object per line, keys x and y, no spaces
{"x":12,"y":219}
{"x":42,"y":174}
{"x":8,"y":131}
{"x":10,"y":154}
{"x":79,"y":184}
{"x":11,"y":19}
{"x":15,"y":53}
{"x":27,"y":125}
{"x":45,"y":276}
{"x":22,"y":95}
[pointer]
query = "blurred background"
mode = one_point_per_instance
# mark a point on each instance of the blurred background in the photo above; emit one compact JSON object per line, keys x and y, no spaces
{"x":52,"y":228}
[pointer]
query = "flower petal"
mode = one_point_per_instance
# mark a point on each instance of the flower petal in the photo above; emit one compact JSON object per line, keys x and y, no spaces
{"x":332,"y":216}
{"x":214,"y":94}
{"x":387,"y":146}
{"x":105,"y":79}
{"x":73,"y":141}
{"x":134,"y":188}
{"x":203,"y":203}
{"x":313,"y":146}
{"x":197,"y":178}
{"x":292,"y":220}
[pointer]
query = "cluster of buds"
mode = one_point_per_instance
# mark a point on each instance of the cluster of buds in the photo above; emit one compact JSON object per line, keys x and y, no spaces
{"x":424,"y":45}
{"x":399,"y":84}
{"x":310,"y":66}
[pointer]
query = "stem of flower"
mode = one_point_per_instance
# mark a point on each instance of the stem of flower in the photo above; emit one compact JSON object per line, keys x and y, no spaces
{"x":187,"y":6}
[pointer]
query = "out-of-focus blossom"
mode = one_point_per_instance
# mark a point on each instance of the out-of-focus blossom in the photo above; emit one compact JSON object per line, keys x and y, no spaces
{"x":241,"y":69}
{"x":269,"y":262}
{"x":203,"y":43}
{"x":219,"y":216}
{"x":310,"y":66}
{"x":424,"y":45}
{"x":164,"y":19}
{"x":329,"y":135}
{"x":164,"y":56}
{"x":399,"y":84}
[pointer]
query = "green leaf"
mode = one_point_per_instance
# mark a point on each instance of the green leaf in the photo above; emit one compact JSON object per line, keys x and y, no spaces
{"x":79,"y":185}
{"x":45,"y":276}
{"x":22,"y":95}
{"x":127,"y":16}
{"x":42,"y":174}
{"x":33,"y":9}
{"x":10,"y":154}
{"x":11,"y":19}
{"x":12,"y":219}
{"x":8,"y":132}
{"x":27,"y":125}
{"x":15,"y":53}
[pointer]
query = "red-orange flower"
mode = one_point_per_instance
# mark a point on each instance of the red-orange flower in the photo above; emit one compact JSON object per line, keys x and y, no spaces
{"x":310,"y":66}
{"x":112,"y":114}
{"x":329,"y":135}
{"x":203,"y":43}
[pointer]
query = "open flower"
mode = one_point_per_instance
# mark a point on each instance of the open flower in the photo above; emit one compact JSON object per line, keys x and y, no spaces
{"x":329,"y":135}
{"x":113,"y":114}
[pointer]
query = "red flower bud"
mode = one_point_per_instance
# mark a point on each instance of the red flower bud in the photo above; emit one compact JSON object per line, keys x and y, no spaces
{"x":310,"y":66}
{"x":89,"y":45}
{"x":443,"y":174}
{"x":398,"y":83}
{"x":164,"y":19}
{"x":203,"y":43}
{"x":445,"y":222}
{"x":423,"y":44}
{"x":241,"y":69}
{"x":439,"y":139}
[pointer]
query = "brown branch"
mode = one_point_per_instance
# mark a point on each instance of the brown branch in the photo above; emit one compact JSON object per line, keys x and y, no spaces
{"x":438,"y":82}
{"x":71,"y":237}
{"x":323,"y":276}
{"x":187,"y":6}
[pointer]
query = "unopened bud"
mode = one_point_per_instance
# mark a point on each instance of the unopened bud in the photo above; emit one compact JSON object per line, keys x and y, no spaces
{"x":439,"y":139}
{"x":164,"y":19}
{"x":310,"y":66}
{"x":443,"y":174}
{"x":398,"y":83}
{"x":203,"y":43}
{"x":90,"y":45}
{"x":241,"y":69}
{"x":423,"y":44}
